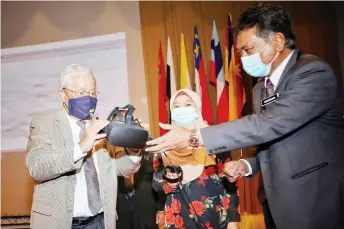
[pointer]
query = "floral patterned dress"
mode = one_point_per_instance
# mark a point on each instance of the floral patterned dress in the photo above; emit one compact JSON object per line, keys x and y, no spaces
{"x":201,"y":203}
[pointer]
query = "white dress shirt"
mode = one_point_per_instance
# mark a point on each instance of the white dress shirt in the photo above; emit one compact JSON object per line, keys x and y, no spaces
{"x":81,"y":208}
{"x":275,"y":77}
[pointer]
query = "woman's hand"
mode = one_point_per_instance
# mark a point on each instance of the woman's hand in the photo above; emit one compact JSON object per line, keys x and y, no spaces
{"x":233,"y":225}
{"x":171,"y":175}
{"x":160,"y":218}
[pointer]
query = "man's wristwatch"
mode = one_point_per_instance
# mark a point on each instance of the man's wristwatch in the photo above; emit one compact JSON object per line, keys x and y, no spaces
{"x":193,"y":140}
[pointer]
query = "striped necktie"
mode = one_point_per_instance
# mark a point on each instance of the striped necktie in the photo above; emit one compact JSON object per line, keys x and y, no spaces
{"x":270,"y":87}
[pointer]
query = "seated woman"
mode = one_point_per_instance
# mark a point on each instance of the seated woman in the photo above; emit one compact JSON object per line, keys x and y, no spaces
{"x":198,"y":199}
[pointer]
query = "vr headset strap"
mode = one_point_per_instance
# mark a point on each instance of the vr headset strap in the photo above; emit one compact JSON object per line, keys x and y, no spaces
{"x":117,"y":112}
{"x":129,"y":114}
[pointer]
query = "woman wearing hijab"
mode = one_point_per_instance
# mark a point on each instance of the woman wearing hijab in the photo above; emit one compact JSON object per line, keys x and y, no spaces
{"x":198,"y":198}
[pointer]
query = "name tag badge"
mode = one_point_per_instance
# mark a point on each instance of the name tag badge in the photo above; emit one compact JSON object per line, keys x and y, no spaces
{"x":269,"y":100}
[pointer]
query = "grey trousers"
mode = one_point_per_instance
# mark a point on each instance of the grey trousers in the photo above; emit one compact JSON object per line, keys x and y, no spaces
{"x":96,"y":223}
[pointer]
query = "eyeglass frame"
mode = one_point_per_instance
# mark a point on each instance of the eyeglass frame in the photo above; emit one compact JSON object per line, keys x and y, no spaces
{"x":84,"y":93}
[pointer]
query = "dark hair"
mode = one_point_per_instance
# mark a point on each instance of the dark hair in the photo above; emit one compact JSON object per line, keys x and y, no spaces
{"x":268,"y":19}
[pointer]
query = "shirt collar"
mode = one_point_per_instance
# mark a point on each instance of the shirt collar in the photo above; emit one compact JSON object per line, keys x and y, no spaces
{"x":72,"y":121}
{"x":276,"y":75}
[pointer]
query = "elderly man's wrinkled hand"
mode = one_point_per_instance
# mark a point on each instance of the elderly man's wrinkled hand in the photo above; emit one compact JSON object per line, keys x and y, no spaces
{"x":91,"y":135}
{"x":160,"y":218}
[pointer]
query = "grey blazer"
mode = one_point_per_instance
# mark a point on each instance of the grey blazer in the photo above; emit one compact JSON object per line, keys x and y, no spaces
{"x":300,"y":139}
{"x":50,"y":162}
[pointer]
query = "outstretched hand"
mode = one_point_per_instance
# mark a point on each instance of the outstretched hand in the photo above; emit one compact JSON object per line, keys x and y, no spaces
{"x":176,"y":138}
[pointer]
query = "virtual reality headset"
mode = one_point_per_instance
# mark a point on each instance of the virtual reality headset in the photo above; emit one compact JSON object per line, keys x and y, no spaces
{"x":125,"y":131}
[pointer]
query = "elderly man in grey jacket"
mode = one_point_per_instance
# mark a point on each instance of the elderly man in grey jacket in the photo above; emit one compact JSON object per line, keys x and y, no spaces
{"x":76,"y":177}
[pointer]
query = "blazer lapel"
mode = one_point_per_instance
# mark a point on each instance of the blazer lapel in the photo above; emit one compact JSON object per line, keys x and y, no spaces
{"x":293,"y":59}
{"x":63,"y":125}
{"x":108,"y":184}
{"x":259,"y":95}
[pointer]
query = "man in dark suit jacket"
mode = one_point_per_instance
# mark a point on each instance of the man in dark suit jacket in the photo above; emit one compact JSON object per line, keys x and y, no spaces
{"x":300,"y":134}
{"x":260,"y":93}
{"x":268,"y":220}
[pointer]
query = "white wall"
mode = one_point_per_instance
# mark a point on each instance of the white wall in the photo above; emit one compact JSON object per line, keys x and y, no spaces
{"x":30,"y":23}
{"x":30,"y":81}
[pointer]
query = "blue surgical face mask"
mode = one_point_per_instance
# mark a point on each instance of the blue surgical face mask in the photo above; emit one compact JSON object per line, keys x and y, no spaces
{"x":254,"y":66}
{"x":82,"y":107}
{"x":184,"y":116}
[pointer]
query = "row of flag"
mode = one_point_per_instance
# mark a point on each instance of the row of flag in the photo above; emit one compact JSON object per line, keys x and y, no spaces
{"x":225,"y":75}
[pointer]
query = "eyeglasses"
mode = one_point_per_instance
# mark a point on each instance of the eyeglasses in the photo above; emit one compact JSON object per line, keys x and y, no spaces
{"x":81,"y":93}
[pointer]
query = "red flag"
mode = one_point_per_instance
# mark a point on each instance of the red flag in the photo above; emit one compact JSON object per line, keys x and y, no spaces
{"x":201,"y":81}
{"x":163,"y":117}
{"x":217,"y":77}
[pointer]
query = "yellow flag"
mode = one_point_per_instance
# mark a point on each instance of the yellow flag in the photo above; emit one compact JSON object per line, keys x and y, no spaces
{"x":232,"y":89}
{"x":184,"y":74}
{"x":236,"y":90}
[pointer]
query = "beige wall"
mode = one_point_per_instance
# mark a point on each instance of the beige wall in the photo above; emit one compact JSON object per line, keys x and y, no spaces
{"x":28,"y":23}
